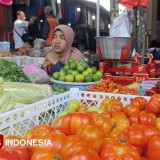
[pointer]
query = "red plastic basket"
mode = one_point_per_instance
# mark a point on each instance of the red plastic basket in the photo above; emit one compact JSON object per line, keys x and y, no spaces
{"x":124,"y":80}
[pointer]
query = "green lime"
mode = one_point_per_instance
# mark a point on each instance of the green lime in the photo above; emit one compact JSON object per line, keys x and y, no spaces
{"x":61,"y":78}
{"x":69,"y":78}
{"x":85,"y":73}
{"x":62,"y":73}
{"x":69,"y":71}
{"x":95,"y":77}
{"x":79,"y":78}
{"x":70,"y":60}
{"x":85,"y":65}
{"x":80,"y":68}
{"x":88,"y":78}
{"x":55,"y":75}
{"x":66,"y":67}
{"x":100,"y":74}
{"x":90,"y":71}
{"x":73,"y":65}
{"x":61,"y":90}
{"x":74,"y":73}
{"x":94,"y":69}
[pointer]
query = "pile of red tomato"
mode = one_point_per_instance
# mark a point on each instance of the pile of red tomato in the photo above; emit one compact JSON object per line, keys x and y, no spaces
{"x":129,"y":132}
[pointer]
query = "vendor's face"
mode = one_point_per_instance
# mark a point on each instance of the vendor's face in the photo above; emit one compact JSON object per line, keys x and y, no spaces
{"x":59,"y":42}
{"x":22,"y":16}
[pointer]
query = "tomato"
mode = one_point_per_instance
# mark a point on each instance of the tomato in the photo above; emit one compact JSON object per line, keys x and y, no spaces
{"x":82,"y":108}
{"x":92,"y":134}
{"x":8,"y":154}
{"x":133,"y":118}
{"x":157,"y":124}
{"x":22,"y":151}
{"x":45,"y":154}
{"x":144,"y":158}
{"x":119,"y":124}
{"x":77,"y":149}
{"x":140,"y":102}
{"x":135,"y":136}
{"x":154,"y":147}
{"x":111,"y":149}
{"x":105,"y":102}
{"x":114,"y":105}
{"x":57,"y":140}
{"x":153,"y":105}
{"x":40,"y":130}
{"x":146,"y":118}
{"x":118,"y":114}
{"x":104,"y":123}
{"x":72,"y":121}
{"x":131,"y":109}
{"x":149,"y":131}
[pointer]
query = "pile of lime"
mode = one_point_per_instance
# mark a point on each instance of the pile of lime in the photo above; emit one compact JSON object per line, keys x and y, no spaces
{"x":59,"y":89}
{"x":77,"y":71}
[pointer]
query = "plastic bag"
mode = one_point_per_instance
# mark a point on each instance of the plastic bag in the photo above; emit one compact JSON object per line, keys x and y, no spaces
{"x":129,"y":3}
{"x":120,"y":27}
{"x":36,"y":74}
{"x":143,"y":3}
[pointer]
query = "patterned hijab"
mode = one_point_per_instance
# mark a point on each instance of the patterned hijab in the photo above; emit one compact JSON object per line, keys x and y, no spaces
{"x":70,"y":51}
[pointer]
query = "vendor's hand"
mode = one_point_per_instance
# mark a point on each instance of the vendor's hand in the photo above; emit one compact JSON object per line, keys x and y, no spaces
{"x":52,"y":58}
{"x":46,"y":64}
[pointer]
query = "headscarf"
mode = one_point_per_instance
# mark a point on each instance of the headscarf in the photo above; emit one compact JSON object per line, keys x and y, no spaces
{"x":70,"y":51}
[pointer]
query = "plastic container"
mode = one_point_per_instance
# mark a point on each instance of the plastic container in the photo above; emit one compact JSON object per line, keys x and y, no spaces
{"x":5,"y":46}
{"x":26,"y":60}
{"x":20,"y":120}
{"x":126,"y":80}
{"x":69,"y":85}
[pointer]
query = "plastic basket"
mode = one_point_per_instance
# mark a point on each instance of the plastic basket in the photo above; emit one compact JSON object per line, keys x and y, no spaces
{"x":126,"y":80}
{"x":26,"y":60}
{"x":19,"y":121}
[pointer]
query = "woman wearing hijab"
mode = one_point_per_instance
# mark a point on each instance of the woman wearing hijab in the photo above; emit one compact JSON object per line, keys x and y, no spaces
{"x":62,"y":50}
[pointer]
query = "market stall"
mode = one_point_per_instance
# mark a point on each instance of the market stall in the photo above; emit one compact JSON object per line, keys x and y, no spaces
{"x":82,"y":112}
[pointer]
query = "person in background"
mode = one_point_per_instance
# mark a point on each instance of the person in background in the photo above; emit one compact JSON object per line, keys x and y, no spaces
{"x":20,"y":25}
{"x":62,"y":50}
{"x":49,"y":25}
{"x":34,"y":30}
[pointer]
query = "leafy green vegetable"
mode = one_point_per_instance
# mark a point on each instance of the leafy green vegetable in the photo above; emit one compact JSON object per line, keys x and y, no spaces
{"x":11,"y":72}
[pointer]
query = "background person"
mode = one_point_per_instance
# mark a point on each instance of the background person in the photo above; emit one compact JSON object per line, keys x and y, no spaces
{"x":62,"y":50}
{"x":20,"y":26}
{"x":49,"y":25}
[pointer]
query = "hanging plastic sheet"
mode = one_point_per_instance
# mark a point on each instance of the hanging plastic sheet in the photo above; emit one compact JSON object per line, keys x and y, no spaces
{"x":6,"y":2}
{"x":143,"y":3}
{"x":132,"y":3}
{"x":128,"y":3}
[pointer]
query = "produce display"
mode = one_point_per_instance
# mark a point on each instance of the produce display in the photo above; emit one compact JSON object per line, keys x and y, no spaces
{"x":15,"y":95}
{"x":58,"y":89}
{"x":110,"y":86}
{"x":78,"y":71}
{"x":117,"y":131}
{"x":11,"y":72}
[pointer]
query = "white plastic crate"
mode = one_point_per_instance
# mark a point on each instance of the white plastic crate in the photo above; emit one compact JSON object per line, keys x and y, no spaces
{"x":18,"y":121}
{"x":26,"y":60}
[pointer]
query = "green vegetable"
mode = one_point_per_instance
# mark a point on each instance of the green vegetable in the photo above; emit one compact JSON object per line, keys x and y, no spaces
{"x":4,"y":101}
{"x":11,"y":72}
{"x":1,"y":89}
{"x":1,"y":80}
{"x":27,"y":92}
{"x":9,"y":107}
